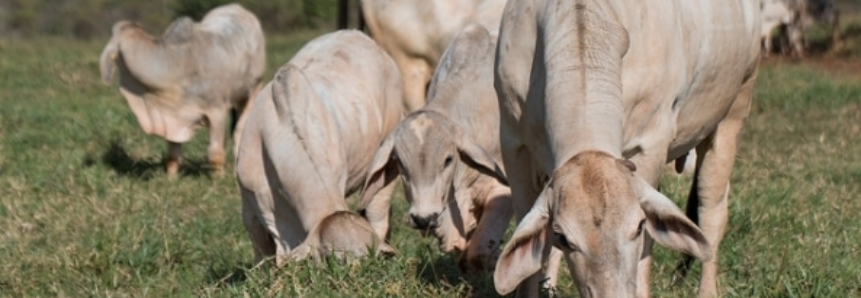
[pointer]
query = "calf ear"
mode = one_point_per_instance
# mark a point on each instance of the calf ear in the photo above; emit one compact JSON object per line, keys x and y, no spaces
{"x":106,"y":60}
{"x":478,"y":159}
{"x":383,"y":170}
{"x":526,"y":250}
{"x":667,"y":225}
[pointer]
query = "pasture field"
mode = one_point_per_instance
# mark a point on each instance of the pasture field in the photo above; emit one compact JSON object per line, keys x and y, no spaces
{"x":86,"y":210}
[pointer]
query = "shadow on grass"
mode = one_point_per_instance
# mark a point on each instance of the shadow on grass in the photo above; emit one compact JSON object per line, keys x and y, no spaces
{"x":118,"y":158}
{"x":442,"y":271}
{"x":228,"y":276}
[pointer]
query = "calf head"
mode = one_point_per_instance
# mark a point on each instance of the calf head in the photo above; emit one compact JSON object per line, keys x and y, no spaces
{"x":427,"y":150}
{"x":595,"y":210}
{"x":343,"y":234}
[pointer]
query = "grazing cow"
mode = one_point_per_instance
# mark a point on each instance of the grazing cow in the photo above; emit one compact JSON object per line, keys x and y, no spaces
{"x":343,"y":20}
{"x":775,"y":13}
{"x":595,"y":97}
{"x":188,"y":77}
{"x":307,"y":143}
{"x":448,"y":153}
{"x":795,"y":16}
{"x":416,"y":32}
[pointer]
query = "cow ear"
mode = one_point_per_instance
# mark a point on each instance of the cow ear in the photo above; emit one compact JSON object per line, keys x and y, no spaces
{"x":668,"y":226}
{"x":107,"y":59}
{"x":383,"y":170}
{"x":477,"y":158}
{"x":528,"y":248}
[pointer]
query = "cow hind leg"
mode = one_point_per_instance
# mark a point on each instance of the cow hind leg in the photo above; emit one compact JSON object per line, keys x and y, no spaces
{"x":712,"y":182}
{"x":215,"y":150}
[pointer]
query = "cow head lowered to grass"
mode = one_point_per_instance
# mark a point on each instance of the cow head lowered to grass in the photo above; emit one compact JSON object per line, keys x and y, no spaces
{"x":598,"y":212}
{"x":448,"y":155}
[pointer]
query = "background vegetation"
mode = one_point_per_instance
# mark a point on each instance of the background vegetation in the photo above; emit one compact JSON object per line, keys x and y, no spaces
{"x":86,"y":210}
{"x":93,"y":18}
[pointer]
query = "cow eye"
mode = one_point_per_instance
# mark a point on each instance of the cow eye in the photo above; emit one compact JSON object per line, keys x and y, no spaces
{"x":447,"y":162}
{"x":640,"y":227}
{"x":402,"y":170}
{"x":561,"y":242}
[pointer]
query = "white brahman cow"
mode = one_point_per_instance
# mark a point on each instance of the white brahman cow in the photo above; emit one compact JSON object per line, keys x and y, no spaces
{"x":595,"y":97}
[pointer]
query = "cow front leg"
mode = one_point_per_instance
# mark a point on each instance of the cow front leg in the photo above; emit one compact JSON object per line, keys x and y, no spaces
{"x":525,"y":188}
{"x":485,"y":241}
{"x":261,"y":240}
{"x":379,"y":211}
{"x":215,"y":150}
{"x":650,"y":165}
{"x":174,"y":151}
{"x":416,"y":74}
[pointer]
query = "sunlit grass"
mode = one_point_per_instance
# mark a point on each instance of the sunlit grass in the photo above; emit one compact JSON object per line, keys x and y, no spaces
{"x":86,"y":210}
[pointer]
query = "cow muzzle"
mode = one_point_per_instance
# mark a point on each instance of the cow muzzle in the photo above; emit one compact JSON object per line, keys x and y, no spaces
{"x":424,"y":222}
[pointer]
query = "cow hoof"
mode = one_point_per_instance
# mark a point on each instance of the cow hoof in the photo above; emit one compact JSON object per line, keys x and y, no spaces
{"x":172,"y":168}
{"x":218,"y":170}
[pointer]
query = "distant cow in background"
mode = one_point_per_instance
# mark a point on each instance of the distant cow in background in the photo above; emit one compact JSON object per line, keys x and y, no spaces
{"x":308,"y":140}
{"x":343,"y":21}
{"x":792,"y":18}
{"x":188,"y":77}
{"x":594,"y":98}
{"x":416,"y":32}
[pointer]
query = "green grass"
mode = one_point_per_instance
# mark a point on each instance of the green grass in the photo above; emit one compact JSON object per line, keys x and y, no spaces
{"x":86,"y":210}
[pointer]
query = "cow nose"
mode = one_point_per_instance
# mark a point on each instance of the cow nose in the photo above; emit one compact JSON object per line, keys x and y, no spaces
{"x":424,"y":222}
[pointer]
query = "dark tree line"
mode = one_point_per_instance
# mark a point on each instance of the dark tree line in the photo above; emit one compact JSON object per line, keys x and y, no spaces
{"x":93,"y":18}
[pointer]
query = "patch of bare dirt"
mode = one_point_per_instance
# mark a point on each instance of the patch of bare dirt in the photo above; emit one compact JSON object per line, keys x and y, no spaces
{"x":834,"y":67}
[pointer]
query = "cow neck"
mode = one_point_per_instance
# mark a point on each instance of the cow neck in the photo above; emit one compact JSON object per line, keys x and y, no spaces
{"x":584,"y":106}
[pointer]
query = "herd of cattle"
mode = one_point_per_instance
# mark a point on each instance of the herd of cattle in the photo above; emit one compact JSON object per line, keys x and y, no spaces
{"x":559,"y":113}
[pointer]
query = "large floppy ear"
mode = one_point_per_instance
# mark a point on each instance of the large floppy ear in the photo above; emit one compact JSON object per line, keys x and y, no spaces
{"x":477,"y":158}
{"x":383,"y":170}
{"x":527,"y":249}
{"x":106,"y":61}
{"x":112,"y":50}
{"x":669,"y":226}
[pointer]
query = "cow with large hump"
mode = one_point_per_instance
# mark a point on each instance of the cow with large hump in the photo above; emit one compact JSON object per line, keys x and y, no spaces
{"x":448,"y":153}
{"x":416,"y":32}
{"x":595,"y":97}
{"x":307,"y":143}
{"x":188,"y":77}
